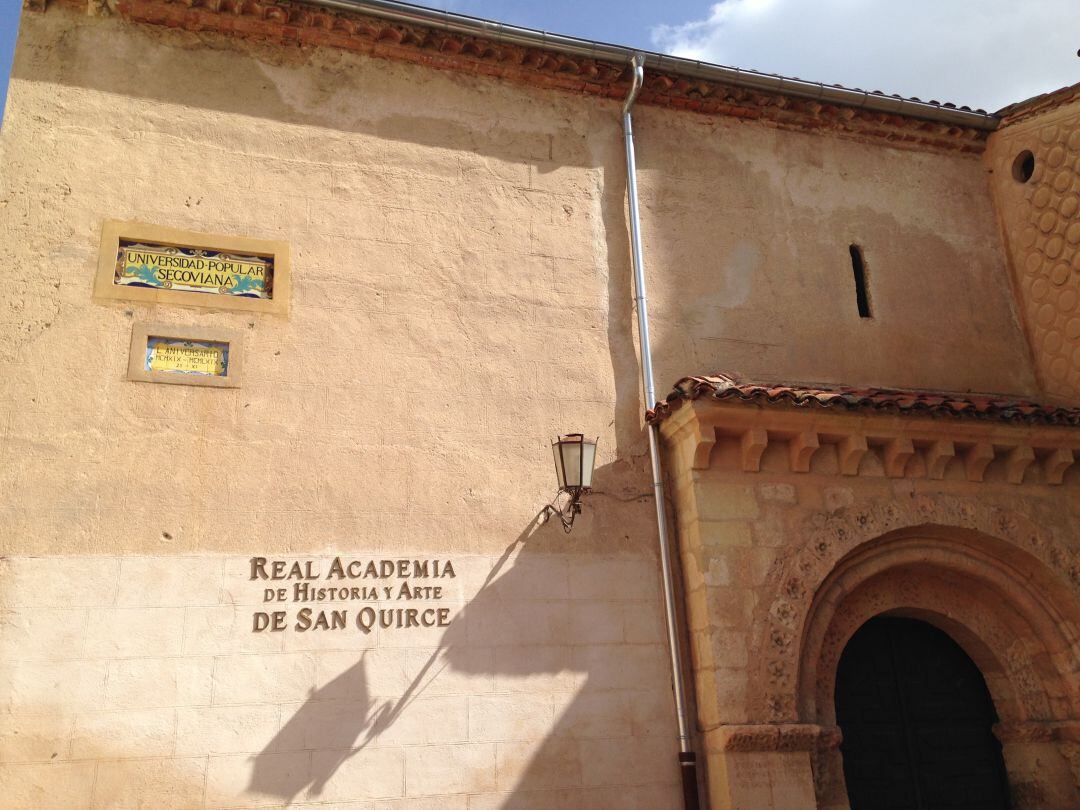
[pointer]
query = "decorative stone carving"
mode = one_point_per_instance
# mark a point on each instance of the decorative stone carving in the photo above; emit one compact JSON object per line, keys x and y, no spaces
{"x":1042,"y":231}
{"x":778,"y":737}
{"x":829,"y":537}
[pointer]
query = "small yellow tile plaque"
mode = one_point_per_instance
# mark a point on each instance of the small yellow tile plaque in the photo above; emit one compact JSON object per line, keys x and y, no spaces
{"x":185,"y":355}
{"x":175,"y":356}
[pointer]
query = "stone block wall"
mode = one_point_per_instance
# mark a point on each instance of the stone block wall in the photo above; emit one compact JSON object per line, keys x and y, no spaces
{"x":781,"y":567}
{"x":137,"y":680}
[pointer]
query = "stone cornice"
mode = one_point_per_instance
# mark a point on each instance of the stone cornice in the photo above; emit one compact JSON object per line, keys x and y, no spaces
{"x":900,"y":446}
{"x":1039,"y":105}
{"x":296,"y":24}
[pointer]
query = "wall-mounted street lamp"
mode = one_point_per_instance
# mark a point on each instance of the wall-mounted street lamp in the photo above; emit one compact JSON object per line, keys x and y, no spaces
{"x":575,"y":457}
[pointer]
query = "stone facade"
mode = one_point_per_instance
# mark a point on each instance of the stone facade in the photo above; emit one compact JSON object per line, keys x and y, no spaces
{"x":460,"y":294}
{"x":784,"y":561}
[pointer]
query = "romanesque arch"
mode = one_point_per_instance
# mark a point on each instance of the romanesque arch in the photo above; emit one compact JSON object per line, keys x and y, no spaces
{"x":1003,"y":588}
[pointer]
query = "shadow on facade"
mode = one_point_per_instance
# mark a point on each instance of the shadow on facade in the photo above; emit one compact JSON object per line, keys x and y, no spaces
{"x":343,"y":718}
{"x":358,"y":726}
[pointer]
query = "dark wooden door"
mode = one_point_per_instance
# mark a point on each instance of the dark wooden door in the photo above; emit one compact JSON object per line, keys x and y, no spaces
{"x":916,"y":719}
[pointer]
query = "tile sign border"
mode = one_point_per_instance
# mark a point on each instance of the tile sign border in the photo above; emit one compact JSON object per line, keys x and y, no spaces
{"x":143,"y":333}
{"x":114,"y":233}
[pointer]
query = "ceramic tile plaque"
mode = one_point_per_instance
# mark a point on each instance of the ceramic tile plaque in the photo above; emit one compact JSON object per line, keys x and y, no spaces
{"x":179,"y":356}
{"x":185,"y":355}
{"x":147,"y":263}
{"x":168,"y":267}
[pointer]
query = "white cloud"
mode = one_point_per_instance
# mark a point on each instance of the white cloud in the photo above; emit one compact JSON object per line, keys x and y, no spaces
{"x":982,"y":53}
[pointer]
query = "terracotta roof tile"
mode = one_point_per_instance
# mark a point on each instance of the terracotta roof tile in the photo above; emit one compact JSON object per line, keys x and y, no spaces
{"x":992,"y":407}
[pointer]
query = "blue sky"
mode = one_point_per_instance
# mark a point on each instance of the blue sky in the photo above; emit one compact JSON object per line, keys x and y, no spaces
{"x":9,"y":27}
{"x":982,"y":53}
{"x":623,"y":23}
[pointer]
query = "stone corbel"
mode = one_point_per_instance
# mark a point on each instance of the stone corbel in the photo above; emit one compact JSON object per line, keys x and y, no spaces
{"x":1017,"y":462}
{"x":697,"y":436}
{"x":898,"y":453}
{"x":850,"y":451}
{"x":802,"y":448}
{"x":705,"y":440}
{"x":977,"y":459}
{"x":696,"y":427}
{"x":1055,"y":465}
{"x":938,"y":455}
{"x":751,"y":446}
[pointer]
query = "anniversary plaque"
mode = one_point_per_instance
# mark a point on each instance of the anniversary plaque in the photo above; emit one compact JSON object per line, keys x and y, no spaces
{"x":175,"y":356}
{"x":185,"y":355}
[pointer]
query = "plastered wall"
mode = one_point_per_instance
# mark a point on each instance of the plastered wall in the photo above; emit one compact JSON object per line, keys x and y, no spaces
{"x":461,"y":294}
{"x":448,"y":319}
{"x":747,"y":234}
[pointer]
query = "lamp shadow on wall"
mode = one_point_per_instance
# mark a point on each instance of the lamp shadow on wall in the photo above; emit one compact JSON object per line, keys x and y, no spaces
{"x":345,"y":733}
{"x":508,"y":630}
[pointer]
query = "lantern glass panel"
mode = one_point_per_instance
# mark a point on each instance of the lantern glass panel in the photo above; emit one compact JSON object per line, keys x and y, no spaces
{"x":555,"y":447}
{"x":571,"y":457}
{"x":589,"y":451}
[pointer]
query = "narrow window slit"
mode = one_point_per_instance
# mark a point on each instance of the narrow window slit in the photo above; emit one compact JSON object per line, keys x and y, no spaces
{"x":859,"y":268}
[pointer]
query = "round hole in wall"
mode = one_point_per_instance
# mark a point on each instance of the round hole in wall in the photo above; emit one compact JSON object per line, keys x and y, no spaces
{"x":1024,"y":166}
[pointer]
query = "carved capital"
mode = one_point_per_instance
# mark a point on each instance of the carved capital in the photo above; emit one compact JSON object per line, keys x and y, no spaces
{"x":777,"y":737}
{"x":1023,"y":732}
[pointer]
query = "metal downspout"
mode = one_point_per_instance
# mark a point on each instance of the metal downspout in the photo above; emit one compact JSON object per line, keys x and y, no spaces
{"x":687,"y":757}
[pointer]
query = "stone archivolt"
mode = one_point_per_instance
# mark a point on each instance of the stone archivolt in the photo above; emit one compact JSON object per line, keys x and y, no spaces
{"x":872,"y":444}
{"x":292,"y":23}
{"x":1003,"y":589}
{"x":958,"y":529}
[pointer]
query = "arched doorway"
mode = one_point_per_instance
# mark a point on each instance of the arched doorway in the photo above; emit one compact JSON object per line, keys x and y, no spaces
{"x":917,"y":720}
